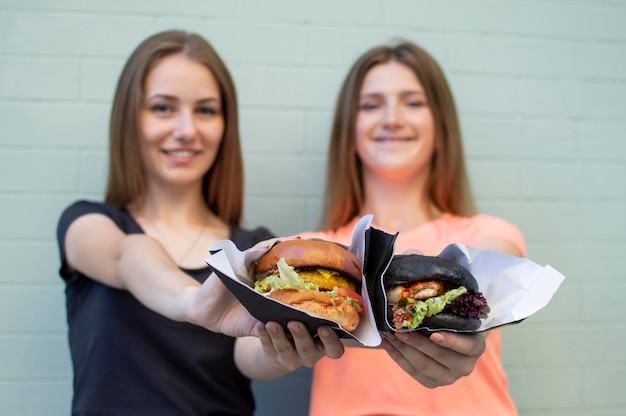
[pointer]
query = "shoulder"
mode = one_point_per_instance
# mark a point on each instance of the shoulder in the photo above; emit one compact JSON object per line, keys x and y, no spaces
{"x":119,"y":216}
{"x":83,"y":207}
{"x":246,"y":238}
{"x":476,"y":221}
{"x":481,"y":227}
{"x":78,"y":209}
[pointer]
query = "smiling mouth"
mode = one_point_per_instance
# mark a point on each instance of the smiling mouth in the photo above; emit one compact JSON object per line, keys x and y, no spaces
{"x":393,"y":139}
{"x":180,"y":153}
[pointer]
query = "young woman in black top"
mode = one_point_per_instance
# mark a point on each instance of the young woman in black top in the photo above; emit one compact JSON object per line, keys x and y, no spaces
{"x":151,"y":333}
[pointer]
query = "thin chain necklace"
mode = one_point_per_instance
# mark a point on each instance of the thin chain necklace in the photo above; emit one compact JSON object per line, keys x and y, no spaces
{"x":168,"y":246}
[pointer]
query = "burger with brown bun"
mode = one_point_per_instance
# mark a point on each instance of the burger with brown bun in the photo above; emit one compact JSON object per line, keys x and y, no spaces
{"x":433,"y":293}
{"x":320,"y":277}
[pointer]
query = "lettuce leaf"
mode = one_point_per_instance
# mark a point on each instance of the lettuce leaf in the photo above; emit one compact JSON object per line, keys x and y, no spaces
{"x":287,"y":277}
{"x":425,"y":308}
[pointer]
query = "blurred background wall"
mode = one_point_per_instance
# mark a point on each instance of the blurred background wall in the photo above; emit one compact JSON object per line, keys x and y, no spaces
{"x":541,"y":89}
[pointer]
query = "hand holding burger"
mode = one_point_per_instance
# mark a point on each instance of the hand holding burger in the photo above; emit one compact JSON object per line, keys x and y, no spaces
{"x":431,"y":292}
{"x":320,"y":277}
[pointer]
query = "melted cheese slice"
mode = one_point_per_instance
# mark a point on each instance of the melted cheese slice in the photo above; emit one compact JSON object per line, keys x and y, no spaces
{"x":326,"y":279}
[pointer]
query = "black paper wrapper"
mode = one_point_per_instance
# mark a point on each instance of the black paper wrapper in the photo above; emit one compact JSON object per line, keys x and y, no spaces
{"x":234,"y":268}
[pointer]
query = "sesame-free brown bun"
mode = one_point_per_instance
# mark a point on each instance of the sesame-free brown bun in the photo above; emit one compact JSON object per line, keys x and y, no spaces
{"x":320,"y":304}
{"x":310,"y":254}
{"x":332,"y":275}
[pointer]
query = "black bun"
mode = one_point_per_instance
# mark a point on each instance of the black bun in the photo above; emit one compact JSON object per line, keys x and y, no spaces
{"x":408,"y":268}
{"x":449,"y":321}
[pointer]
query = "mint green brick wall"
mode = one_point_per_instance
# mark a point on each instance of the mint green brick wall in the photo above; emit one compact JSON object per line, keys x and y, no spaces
{"x":541,"y":90}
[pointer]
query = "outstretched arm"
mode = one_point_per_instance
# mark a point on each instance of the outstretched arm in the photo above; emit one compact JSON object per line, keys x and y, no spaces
{"x":95,"y":246}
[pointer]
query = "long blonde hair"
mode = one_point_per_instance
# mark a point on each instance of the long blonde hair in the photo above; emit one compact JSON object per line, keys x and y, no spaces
{"x":448,"y":188}
{"x":127,"y":183}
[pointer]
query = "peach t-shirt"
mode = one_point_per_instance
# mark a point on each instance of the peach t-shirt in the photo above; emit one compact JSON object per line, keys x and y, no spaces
{"x":368,"y":382}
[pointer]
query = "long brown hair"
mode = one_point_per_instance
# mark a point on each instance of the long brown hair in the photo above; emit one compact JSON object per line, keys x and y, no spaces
{"x":448,"y":188}
{"x":127,"y":183}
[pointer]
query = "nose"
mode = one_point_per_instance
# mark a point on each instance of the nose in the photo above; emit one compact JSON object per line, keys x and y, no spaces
{"x":392,"y":117}
{"x":185,"y":130}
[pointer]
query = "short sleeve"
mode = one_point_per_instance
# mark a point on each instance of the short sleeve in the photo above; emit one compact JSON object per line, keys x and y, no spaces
{"x":79,"y":208}
{"x":486,"y":227}
{"x":245,"y":239}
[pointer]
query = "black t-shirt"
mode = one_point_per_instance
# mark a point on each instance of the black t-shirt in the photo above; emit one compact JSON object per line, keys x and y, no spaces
{"x":129,"y":360}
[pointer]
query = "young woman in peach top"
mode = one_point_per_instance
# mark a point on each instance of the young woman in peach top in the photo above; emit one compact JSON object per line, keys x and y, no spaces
{"x":396,"y":152}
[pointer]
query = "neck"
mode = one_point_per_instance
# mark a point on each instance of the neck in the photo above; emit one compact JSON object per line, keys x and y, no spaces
{"x":398,"y":205}
{"x":182,"y":222}
{"x":174,"y":206}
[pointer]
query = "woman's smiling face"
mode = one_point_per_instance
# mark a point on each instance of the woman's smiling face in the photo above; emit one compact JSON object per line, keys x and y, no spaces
{"x":181,"y":121}
{"x":395,"y":132}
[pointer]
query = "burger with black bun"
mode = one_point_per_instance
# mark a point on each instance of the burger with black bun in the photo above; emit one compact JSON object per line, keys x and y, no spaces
{"x":320,"y":277}
{"x":434,"y":293}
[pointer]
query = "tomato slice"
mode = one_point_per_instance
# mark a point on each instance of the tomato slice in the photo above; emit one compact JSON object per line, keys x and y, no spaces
{"x":344,"y":292}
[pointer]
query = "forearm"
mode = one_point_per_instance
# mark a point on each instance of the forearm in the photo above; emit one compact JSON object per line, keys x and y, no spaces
{"x":253,"y":363}
{"x":147,"y":271}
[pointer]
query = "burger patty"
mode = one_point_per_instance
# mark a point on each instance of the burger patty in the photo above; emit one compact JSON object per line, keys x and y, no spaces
{"x":418,"y":290}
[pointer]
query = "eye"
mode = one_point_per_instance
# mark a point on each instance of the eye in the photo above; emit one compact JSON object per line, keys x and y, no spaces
{"x":416,"y":103}
{"x":415,"y":100}
{"x":368,"y":106}
{"x":207,"y":111}
{"x":160,"y":108}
